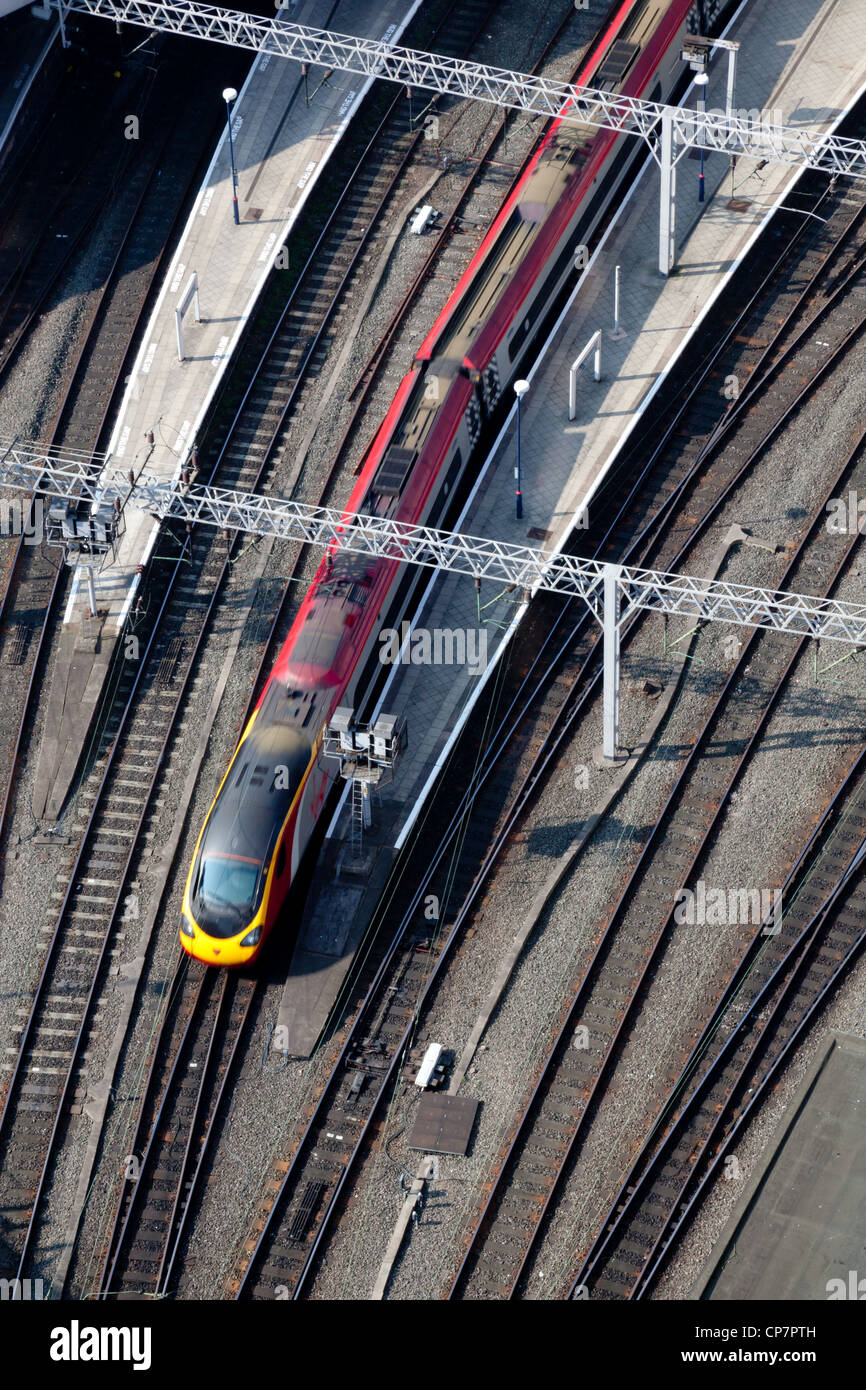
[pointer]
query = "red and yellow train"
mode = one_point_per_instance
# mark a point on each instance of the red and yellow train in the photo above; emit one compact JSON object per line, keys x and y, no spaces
{"x":265,"y":811}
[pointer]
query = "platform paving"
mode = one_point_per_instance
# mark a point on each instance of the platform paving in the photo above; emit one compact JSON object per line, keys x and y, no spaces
{"x":804,"y":63}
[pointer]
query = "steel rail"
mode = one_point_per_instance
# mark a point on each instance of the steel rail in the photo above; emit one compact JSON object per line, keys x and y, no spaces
{"x":92,"y":209}
{"x":127,"y":1209}
{"x":607,"y":940}
{"x":750,"y":1101}
{"x":200,"y":1119}
{"x":55,"y":943}
{"x":728,"y":421}
{"x":65,"y":410}
{"x":195,"y":1176}
{"x":655,"y":1150}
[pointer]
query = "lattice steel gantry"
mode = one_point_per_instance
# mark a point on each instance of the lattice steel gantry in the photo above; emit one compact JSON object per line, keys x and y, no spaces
{"x":612,"y":591}
{"x":669,"y":131}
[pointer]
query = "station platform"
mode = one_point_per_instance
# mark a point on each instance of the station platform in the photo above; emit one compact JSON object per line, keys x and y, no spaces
{"x":281,"y":147}
{"x":804,"y":64}
{"x":799,"y":1228}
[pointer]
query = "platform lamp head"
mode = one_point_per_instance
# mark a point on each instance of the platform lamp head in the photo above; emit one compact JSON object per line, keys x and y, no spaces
{"x":229,"y":96}
{"x":520,"y":390}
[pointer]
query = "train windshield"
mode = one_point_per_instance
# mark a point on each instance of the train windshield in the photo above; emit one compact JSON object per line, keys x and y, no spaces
{"x":227,"y":882}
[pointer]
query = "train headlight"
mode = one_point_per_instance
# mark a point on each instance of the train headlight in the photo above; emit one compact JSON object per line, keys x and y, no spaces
{"x":186,"y":926}
{"x":252,"y":938}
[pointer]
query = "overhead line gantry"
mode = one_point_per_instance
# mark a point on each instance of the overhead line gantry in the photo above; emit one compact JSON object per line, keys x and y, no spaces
{"x":613,"y":592}
{"x":669,"y":131}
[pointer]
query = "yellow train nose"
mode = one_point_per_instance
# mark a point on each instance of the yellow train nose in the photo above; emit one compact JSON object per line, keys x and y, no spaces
{"x":210,"y":952}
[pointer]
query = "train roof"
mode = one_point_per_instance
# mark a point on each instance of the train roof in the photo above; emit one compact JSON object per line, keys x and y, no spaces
{"x":469,"y":327}
{"x":258,"y":793}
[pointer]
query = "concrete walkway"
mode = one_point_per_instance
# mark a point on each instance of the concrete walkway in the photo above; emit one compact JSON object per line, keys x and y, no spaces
{"x":798,"y":1230}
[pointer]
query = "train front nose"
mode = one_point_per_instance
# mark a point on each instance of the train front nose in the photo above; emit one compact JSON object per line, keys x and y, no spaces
{"x":203,"y":949}
{"x":239,"y":950}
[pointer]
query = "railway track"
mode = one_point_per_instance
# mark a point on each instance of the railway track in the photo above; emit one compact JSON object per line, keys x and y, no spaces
{"x":61,"y":193}
{"x":607,"y":996}
{"x":793,"y":358}
{"x":41,"y":1081}
{"x":782,"y":982}
{"x":135,"y":736}
{"x":35,"y":580}
{"x":117,"y":809}
{"x":259,"y":419}
{"x":272,"y":1253}
{"x":197,"y":1044}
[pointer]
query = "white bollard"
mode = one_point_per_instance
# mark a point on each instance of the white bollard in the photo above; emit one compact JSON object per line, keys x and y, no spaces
{"x":618,"y":330}
{"x":594,"y":345}
{"x":189,"y":296}
{"x":91,"y":591}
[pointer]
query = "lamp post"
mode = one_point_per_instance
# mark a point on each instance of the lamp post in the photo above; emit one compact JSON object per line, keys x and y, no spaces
{"x":701,"y":80}
{"x":230,"y":95}
{"x":520,"y":390}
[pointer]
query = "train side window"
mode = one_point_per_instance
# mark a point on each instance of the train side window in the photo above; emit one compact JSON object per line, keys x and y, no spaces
{"x":281,"y":860}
